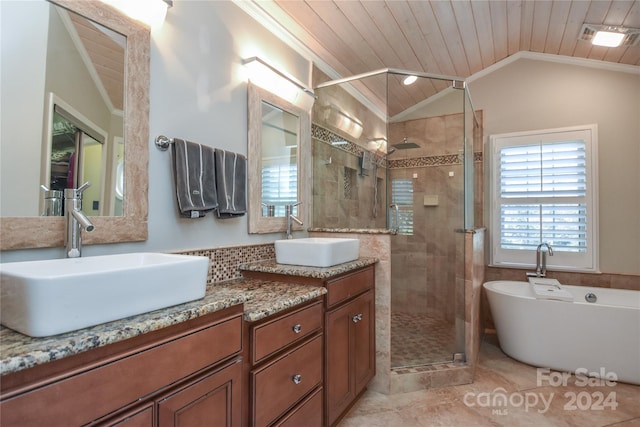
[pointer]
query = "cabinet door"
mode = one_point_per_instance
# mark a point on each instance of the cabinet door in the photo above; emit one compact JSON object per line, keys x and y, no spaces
{"x":339,"y":386}
{"x":350,"y":353}
{"x":364,"y":338}
{"x":210,"y":401}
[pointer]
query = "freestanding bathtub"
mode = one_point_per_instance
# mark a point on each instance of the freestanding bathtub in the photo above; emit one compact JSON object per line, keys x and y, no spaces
{"x":600,"y":338}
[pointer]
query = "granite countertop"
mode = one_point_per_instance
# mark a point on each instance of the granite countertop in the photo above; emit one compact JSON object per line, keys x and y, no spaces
{"x":270,"y":266}
{"x":261,"y":299}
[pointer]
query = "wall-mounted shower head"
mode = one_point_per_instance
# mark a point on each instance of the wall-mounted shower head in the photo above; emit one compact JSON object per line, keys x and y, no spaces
{"x":405,"y":144}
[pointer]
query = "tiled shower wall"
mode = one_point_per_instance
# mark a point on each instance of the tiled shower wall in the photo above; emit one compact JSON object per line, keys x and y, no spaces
{"x":425,"y":263}
{"x":343,"y":197}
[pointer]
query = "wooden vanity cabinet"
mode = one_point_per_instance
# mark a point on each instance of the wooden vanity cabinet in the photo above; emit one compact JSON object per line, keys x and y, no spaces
{"x":286,"y":368}
{"x":349,"y":335}
{"x":188,"y":374}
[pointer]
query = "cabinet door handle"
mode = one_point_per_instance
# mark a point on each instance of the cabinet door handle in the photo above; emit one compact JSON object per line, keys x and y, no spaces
{"x":297,"y":379}
{"x":357,"y":318}
{"x":297,"y":328}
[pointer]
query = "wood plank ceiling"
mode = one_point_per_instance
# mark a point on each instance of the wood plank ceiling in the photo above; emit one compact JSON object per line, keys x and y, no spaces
{"x":448,"y":37}
{"x":105,"y":56}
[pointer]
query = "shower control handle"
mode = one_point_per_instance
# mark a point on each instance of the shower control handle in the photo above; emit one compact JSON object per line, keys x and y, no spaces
{"x":357,"y":318}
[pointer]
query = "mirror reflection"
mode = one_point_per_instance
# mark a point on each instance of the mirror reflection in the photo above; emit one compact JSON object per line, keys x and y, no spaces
{"x":278,"y":133}
{"x":65,"y":108}
{"x":279,"y":164}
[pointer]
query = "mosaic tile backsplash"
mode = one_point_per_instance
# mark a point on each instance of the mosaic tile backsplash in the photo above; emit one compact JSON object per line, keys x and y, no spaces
{"x":224,"y":261}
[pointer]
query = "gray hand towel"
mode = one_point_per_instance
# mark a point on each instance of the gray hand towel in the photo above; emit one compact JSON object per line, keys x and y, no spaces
{"x":195,"y":177}
{"x":231,"y":178}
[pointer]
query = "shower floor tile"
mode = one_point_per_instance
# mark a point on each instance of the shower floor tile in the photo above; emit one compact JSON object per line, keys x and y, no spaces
{"x":419,"y":339}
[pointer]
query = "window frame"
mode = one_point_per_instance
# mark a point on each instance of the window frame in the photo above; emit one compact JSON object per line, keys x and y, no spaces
{"x":587,"y":261}
{"x":291,"y":171}
{"x":405,"y":204}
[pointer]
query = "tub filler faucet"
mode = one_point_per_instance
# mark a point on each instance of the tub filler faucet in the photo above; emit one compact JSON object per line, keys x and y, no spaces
{"x":541,"y":260}
{"x":76,"y":220}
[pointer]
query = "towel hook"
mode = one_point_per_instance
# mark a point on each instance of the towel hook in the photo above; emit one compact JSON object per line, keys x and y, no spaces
{"x":163,"y":142}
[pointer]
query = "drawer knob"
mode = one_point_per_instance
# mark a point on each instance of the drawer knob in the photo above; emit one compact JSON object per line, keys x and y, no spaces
{"x":297,"y":379}
{"x":357,"y":318}
{"x":297,"y":328}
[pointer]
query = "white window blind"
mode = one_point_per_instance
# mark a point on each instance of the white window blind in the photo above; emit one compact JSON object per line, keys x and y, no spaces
{"x":544,"y":191}
{"x":280,"y":186}
{"x":402,"y":195}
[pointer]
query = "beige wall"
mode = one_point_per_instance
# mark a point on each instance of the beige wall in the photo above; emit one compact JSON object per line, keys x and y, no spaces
{"x":530,"y":94}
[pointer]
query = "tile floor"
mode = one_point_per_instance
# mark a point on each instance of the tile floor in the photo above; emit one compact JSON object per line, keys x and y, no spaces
{"x":411,"y":346}
{"x":499,"y":376}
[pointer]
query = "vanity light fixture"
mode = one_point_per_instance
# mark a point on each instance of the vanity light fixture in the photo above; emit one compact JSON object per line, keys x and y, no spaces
{"x":378,"y":144}
{"x":334,"y":116}
{"x":150,"y":12}
{"x":275,"y":81}
{"x":610,"y":36}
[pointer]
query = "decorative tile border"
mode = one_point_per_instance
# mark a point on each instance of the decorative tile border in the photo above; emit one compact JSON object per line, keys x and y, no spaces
{"x":224,"y":261}
{"x":446,"y":160}
{"x":328,"y":137}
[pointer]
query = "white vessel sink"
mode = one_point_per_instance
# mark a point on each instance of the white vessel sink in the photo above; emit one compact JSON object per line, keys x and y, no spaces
{"x":316,"y":251}
{"x":42,"y":298}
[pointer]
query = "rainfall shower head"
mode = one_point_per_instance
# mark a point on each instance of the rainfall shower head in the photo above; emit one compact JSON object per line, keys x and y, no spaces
{"x":405,"y":144}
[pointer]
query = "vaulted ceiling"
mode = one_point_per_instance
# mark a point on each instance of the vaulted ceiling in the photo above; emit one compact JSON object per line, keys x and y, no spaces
{"x":104,"y":55}
{"x":449,"y":37}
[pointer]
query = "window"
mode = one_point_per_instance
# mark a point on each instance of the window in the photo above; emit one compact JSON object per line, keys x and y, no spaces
{"x":402,"y":195}
{"x":544,"y":189}
{"x":280,"y":186}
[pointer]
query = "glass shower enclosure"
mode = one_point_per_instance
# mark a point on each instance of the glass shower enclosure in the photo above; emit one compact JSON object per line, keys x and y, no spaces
{"x":390,"y":154}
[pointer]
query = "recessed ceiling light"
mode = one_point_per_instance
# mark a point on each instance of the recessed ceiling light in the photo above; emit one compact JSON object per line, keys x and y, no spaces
{"x":409,"y":80}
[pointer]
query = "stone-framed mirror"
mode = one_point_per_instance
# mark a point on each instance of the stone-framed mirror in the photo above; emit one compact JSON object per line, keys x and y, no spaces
{"x":21,"y":231}
{"x":279,"y":135}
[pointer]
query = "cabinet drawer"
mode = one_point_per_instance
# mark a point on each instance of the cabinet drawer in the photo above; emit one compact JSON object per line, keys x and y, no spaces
{"x":272,"y":336}
{"x":88,"y":395}
{"x":345,"y":287}
{"x":308,"y":413}
{"x":136,"y":418}
{"x":275,"y":386}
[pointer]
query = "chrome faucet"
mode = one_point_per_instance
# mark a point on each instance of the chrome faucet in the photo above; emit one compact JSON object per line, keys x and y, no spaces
{"x":75,"y":220}
{"x":541,"y":260}
{"x":288,"y":213}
